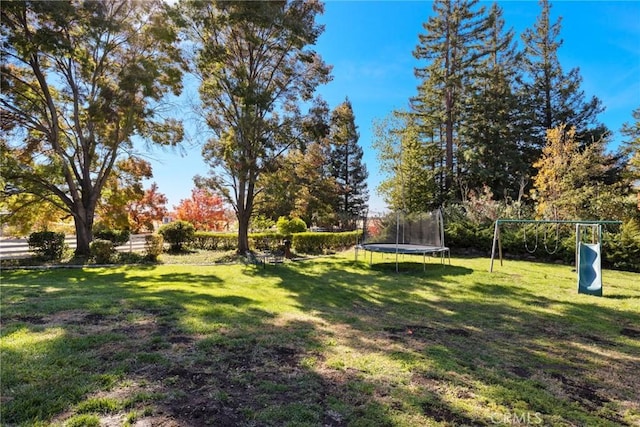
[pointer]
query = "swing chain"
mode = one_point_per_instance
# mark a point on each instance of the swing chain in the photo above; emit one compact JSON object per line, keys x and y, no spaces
{"x":524,"y":236}
{"x":555,"y":248}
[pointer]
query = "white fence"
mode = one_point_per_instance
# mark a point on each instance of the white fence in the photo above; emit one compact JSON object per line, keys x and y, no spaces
{"x":11,"y":248}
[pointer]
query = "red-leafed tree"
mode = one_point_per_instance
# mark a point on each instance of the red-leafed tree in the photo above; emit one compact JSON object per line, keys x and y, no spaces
{"x":148,"y":209}
{"x":205,"y":210}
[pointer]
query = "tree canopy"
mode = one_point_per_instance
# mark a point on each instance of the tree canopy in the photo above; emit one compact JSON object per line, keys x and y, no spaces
{"x":256,"y":67}
{"x":80,"y":80}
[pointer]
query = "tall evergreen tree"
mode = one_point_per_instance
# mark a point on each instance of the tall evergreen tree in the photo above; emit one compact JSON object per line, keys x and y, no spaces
{"x":553,"y":97}
{"x":346,"y":165}
{"x":631,"y":149}
{"x":452,"y":46}
{"x":490,"y":135}
{"x":411,"y":178}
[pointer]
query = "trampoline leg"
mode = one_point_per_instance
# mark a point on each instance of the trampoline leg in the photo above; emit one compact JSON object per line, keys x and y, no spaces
{"x":396,"y":261}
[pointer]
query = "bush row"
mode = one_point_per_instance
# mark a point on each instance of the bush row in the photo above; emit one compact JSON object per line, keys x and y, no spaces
{"x":317,"y":243}
{"x":306,"y":242}
{"x":621,"y":246}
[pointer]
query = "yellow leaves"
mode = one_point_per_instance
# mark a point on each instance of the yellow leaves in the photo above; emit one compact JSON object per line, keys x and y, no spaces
{"x":555,"y":167}
{"x":568,"y":184}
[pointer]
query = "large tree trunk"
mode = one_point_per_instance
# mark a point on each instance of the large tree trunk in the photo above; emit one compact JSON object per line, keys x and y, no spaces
{"x":83,"y":219}
{"x":244,"y":209}
{"x":243,"y":231}
{"x":449,"y":139}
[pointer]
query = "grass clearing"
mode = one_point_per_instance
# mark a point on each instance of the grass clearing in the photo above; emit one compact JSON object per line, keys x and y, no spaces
{"x":326,"y":341}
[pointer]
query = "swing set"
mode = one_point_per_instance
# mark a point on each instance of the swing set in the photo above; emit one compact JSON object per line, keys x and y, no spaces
{"x":587,"y":254}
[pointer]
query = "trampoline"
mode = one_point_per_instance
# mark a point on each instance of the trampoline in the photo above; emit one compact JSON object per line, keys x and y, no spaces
{"x":406,"y":234}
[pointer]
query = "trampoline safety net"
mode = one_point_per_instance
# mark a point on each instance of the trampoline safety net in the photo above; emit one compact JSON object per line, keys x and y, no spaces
{"x":416,"y":233}
{"x":416,"y":229}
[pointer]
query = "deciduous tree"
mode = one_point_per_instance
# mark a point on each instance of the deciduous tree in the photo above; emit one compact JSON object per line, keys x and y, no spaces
{"x":204,"y":210}
{"x":255,"y":66}
{"x":123,"y":187}
{"x":79,"y":81}
{"x":146,"y":211}
{"x":570,"y":182}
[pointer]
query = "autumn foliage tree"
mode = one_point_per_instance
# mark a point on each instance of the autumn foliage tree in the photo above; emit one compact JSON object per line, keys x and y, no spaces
{"x":145,"y":211}
{"x":204,"y":210}
{"x":123,"y":187}
{"x":570,"y":185}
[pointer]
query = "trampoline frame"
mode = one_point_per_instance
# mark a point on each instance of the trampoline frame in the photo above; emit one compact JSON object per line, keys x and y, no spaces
{"x":408,"y":248}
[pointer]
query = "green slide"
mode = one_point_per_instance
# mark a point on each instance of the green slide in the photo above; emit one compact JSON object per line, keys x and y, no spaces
{"x":589,"y":270}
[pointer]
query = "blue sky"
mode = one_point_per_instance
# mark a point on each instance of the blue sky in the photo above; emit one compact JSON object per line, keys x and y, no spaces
{"x":370,"y":45}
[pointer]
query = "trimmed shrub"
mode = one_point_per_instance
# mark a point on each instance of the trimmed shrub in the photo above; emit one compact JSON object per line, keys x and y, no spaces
{"x":289,"y":226}
{"x":117,"y":237}
{"x":318,"y":243}
{"x":622,"y":250}
{"x":102,"y":251}
{"x":47,"y":245}
{"x":177,"y":234}
{"x":212,"y":241}
{"x":153,"y":246}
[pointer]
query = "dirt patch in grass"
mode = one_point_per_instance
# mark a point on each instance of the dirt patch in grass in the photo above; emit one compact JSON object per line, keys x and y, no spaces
{"x":347,"y":348}
{"x":630,"y":332}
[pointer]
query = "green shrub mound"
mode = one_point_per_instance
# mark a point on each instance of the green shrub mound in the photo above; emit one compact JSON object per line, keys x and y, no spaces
{"x":153,"y":246}
{"x":290,"y":226}
{"x":178,"y":234}
{"x":47,"y":245}
{"x":102,"y":251}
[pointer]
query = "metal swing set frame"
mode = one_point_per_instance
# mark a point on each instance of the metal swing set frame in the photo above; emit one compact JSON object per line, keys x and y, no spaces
{"x":578,"y":223}
{"x":587,"y":255}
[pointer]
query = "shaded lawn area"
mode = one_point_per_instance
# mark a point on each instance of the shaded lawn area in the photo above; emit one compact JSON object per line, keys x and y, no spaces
{"x":322,"y":342}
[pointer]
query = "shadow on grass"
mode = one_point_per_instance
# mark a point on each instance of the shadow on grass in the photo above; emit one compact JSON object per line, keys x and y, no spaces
{"x":562,"y":361}
{"x":198,"y":359}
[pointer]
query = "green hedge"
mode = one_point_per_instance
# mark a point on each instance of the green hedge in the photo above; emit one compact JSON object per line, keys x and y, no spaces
{"x":117,"y":237}
{"x":306,"y":242}
{"x":212,"y":241}
{"x":317,"y":243}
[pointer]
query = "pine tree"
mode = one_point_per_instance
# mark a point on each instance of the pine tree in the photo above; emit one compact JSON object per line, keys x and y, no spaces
{"x":452,"y":46}
{"x":346,"y":166}
{"x":631,"y":149}
{"x":411,"y":179}
{"x":490,"y":133}
{"x":553,"y":97}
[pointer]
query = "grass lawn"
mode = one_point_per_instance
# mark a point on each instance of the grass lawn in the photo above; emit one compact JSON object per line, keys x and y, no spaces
{"x":321,"y":342}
